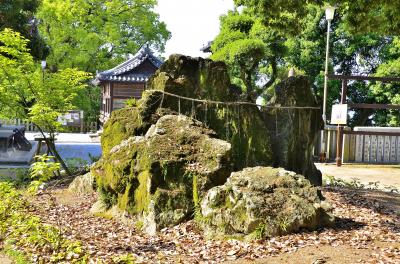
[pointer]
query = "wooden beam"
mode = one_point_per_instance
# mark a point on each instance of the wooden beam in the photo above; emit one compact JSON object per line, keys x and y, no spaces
{"x":371,"y":133}
{"x":373,"y":106}
{"x":363,"y":78}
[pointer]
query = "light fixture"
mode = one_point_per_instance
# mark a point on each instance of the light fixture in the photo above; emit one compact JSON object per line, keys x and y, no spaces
{"x":44,"y":64}
{"x":329,"y":13}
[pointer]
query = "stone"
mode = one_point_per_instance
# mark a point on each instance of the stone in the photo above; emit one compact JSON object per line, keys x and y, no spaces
{"x":262,"y":202}
{"x":83,"y":184}
{"x":162,"y":155}
{"x":241,"y":125}
{"x":294,"y":131}
{"x":161,"y":176}
{"x":128,"y":122}
{"x":98,"y":208}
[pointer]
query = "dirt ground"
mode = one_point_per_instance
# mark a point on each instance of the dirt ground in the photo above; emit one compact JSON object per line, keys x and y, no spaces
{"x":366,"y":231}
{"x":315,"y":255}
{"x":5,"y":260}
{"x":387,"y":175}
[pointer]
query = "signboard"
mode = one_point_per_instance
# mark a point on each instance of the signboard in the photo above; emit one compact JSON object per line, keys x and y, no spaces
{"x":339,"y":114}
{"x":72,"y":118}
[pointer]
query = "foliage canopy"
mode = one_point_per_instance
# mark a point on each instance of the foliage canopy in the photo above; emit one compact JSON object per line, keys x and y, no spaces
{"x":96,"y":34}
{"x":19,"y":16}
{"x":293,"y":35}
{"x":28,"y":93}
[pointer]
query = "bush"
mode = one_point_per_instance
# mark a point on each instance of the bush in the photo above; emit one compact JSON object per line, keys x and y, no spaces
{"x":77,"y":165}
{"x":43,"y":169}
{"x":22,"y":231}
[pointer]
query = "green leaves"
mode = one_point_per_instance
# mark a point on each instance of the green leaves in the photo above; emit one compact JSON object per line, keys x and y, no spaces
{"x":96,"y":34}
{"x":239,"y":48}
{"x":19,"y":16}
{"x":43,"y":169}
{"x":359,"y":16}
{"x":22,"y":230}
{"x":31,"y":94}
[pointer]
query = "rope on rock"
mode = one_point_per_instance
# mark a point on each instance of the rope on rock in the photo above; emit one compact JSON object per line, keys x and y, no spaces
{"x":206,"y":102}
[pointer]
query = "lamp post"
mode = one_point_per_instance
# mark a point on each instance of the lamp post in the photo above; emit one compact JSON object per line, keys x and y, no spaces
{"x":43,"y":63}
{"x":329,"y":14}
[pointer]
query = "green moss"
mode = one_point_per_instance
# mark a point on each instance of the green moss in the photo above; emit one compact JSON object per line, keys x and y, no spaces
{"x":105,"y":215}
{"x":139,"y":225}
{"x":196,"y":200}
{"x":124,"y":201}
{"x":259,"y":232}
{"x":142,"y":195}
{"x":107,"y":196}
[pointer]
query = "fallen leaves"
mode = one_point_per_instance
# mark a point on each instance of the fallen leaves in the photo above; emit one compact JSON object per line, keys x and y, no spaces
{"x":362,"y":224}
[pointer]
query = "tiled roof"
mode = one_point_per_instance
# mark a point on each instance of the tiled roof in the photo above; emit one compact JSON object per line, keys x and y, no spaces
{"x":123,"y":71}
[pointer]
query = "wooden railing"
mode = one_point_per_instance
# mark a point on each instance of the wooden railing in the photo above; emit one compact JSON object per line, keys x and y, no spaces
{"x":30,"y":127}
{"x":343,"y":100}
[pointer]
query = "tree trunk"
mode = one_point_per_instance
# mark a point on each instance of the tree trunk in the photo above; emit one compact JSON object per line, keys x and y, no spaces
{"x":274,"y":74}
{"x":52,"y":148}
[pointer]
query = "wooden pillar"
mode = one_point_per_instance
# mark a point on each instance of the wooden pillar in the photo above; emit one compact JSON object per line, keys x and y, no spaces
{"x":339,"y":148}
{"x":82,"y":122}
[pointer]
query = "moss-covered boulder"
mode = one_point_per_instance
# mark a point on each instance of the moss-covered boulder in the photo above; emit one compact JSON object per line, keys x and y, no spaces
{"x":262,"y":202}
{"x":131,"y":121}
{"x":293,"y":131}
{"x":159,"y":161}
{"x":203,"y":79}
{"x":160,"y":177}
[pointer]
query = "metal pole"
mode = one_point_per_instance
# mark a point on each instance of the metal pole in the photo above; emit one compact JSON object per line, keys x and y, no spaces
{"x":323,"y":140}
{"x":326,"y":72}
{"x":339,"y":147}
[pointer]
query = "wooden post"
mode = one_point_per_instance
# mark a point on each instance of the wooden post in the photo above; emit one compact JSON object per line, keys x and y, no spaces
{"x":339,"y":140}
{"x":82,"y":123}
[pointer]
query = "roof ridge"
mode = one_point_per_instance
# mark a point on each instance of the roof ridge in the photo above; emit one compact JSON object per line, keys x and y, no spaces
{"x":141,"y":55}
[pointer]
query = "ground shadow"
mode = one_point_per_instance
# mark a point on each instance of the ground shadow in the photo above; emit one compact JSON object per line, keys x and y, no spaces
{"x":384,"y":203}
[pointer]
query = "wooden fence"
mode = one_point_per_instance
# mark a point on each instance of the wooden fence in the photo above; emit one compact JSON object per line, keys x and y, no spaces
{"x":18,"y":122}
{"x":363,"y":145}
{"x":87,"y":126}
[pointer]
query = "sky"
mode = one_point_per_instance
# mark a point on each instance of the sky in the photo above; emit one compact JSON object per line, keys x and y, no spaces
{"x":192,"y":23}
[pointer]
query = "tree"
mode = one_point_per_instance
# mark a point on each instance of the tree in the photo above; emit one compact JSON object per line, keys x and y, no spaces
{"x":19,"y":16}
{"x":350,"y":54}
{"x":29,"y":94}
{"x":246,"y":45}
{"x":302,"y":45}
{"x":359,"y":16}
{"x":97,"y":34}
{"x":389,"y":93}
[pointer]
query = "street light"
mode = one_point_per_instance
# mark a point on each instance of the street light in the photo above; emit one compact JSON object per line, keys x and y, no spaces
{"x":329,"y":14}
{"x":43,"y":63}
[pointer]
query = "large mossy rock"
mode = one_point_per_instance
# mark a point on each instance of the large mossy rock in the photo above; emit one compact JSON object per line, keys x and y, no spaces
{"x":161,"y":176}
{"x":293,"y":131}
{"x":241,"y":125}
{"x":158,"y":161}
{"x":262,"y":202}
{"x":131,"y":121}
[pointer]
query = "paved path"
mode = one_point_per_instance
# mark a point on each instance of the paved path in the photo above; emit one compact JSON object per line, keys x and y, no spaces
{"x":388,"y":175}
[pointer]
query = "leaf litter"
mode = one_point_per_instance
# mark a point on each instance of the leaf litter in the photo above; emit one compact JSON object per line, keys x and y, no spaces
{"x":361,"y":224}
